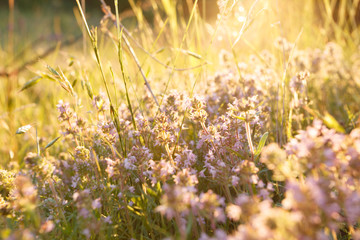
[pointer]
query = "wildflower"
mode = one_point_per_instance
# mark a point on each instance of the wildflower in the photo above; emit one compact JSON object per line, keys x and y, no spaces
{"x":131,"y":189}
{"x":39,"y":165}
{"x":65,"y":111}
{"x":185,"y":159}
{"x":235,"y":180}
{"x":352,"y":207}
{"x":100,"y":102}
{"x":96,"y":204}
{"x":4,"y":207}
{"x":107,"y":219}
{"x":210,"y":205}
{"x":110,"y":167}
{"x":160,"y":171}
{"x":275,"y":159}
{"x":6,"y":183}
{"x":283,"y":45}
{"x":82,"y":153}
{"x":163,"y":130}
{"x":22,"y":233}
{"x":120,"y":195}
{"x":75,"y":180}
{"x":297,"y":87}
{"x":84,"y":213}
{"x":247,"y":171}
{"x":233,"y":212}
{"x":138,"y":160}
{"x":129,"y":163}
{"x":86,"y":233}
{"x":47,"y":227}
{"x":197,"y":112}
{"x":25,"y":194}
{"x":225,"y":58}
{"x":298,"y":83}
{"x":175,"y":200}
{"x":314,"y":202}
{"x":185,"y":178}
{"x":244,"y":109}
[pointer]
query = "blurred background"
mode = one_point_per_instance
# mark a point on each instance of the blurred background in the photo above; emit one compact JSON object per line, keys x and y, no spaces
{"x":93,"y":5}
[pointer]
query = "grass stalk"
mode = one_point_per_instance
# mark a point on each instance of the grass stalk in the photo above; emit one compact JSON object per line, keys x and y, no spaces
{"x":120,"y":56}
{"x":289,"y":124}
{"x":249,"y":139}
{"x":11,"y":28}
{"x":178,"y":52}
{"x":93,"y":38}
{"x":131,"y":50}
{"x":83,"y":28}
{"x":245,"y":24}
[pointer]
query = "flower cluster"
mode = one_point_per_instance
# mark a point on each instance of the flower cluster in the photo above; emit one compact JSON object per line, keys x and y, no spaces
{"x":238,"y":160}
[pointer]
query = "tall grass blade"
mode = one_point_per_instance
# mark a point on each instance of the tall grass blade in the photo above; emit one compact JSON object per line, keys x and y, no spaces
{"x":31,"y":83}
{"x":52,"y":142}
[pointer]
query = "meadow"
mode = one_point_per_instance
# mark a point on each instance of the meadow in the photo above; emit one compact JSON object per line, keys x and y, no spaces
{"x":161,"y":122}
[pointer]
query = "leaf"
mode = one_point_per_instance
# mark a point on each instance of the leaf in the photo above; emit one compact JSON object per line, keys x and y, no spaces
{"x":23,"y":129}
{"x":31,"y":83}
{"x":327,"y":119}
{"x":71,"y":63}
{"x":189,"y":226}
{"x":74,"y":83}
{"x":53,"y":71}
{"x":236,"y":153}
{"x":45,"y":75}
{"x":331,"y":122}
{"x":52,"y":142}
{"x":151,"y":192}
{"x":192,"y":54}
{"x":89,"y":89}
{"x":261,"y":143}
{"x":240,"y":118}
{"x":159,"y":51}
{"x":37,"y":142}
{"x":65,"y":84}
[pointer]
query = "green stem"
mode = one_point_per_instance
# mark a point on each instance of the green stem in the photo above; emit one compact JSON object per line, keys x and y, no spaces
{"x":93,"y":38}
{"x":248,"y":135}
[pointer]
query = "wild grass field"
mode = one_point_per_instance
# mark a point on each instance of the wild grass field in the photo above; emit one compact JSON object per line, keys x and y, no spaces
{"x":166,"y":122}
